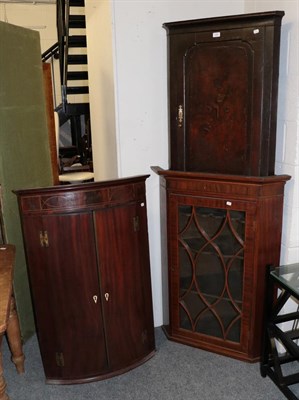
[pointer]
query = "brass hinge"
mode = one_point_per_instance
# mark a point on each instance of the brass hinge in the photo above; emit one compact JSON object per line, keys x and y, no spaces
{"x":136,"y":223}
{"x":59,"y":359}
{"x":43,"y":238}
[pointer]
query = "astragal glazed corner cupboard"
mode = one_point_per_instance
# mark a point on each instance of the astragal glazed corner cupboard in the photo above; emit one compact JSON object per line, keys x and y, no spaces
{"x":88,"y":264}
{"x":220,"y":198}
{"x":222,"y":233}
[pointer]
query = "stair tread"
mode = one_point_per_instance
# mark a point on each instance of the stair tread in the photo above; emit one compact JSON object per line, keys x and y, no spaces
{"x":77,"y":59}
{"x":77,"y":75}
{"x":76,"y":17}
{"x":77,"y":3}
{"x":77,"y":21}
{"x":77,"y":89}
{"x":77,"y":37}
{"x":77,"y":41}
{"x":77,"y":108}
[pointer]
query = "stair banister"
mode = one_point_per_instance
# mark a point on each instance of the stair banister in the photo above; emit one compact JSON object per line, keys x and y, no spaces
{"x":66,"y":52}
{"x":60,"y":21}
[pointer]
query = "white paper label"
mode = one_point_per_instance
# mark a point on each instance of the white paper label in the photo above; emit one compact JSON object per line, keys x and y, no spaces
{"x":216,"y":34}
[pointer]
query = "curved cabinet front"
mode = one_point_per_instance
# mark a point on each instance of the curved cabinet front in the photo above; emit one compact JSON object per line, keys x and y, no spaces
{"x":88,"y":264}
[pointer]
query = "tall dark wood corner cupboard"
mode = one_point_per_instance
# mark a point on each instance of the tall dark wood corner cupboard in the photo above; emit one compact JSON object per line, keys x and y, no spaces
{"x":88,"y":264}
{"x":223,"y":81}
{"x":223,"y":231}
{"x":221,"y":204}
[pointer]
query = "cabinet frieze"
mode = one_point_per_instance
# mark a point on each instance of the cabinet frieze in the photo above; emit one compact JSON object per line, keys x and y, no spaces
{"x":81,"y":198}
{"x":248,"y":191}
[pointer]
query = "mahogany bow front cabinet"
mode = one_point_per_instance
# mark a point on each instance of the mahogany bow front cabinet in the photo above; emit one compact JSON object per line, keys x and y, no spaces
{"x":88,"y":264}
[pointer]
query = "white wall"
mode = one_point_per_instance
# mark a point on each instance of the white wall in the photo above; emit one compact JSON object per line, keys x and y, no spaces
{"x":141,"y":98}
{"x":101,"y":88}
{"x":41,"y":18}
{"x":287,"y":149}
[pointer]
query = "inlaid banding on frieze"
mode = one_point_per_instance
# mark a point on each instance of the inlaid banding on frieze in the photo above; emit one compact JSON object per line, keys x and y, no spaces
{"x":68,"y":200}
{"x":83,"y":199}
{"x":122,"y":193}
{"x":95,"y":196}
{"x":30,"y":203}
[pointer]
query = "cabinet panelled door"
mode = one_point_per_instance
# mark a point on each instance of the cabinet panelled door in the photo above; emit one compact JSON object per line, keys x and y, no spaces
{"x":210,"y":261}
{"x":66,"y":296}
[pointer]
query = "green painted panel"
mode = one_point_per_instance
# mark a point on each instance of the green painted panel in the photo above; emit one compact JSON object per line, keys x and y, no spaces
{"x":24,"y":148}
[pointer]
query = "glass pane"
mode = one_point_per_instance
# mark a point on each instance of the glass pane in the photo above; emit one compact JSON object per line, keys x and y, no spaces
{"x":288,"y":275}
{"x":208,"y":324}
{"x":235,"y":331}
{"x":227,"y":242}
{"x":191,"y":304}
{"x":210,"y":220}
{"x":226,"y":312}
{"x":186,"y":270}
{"x":192,"y":237}
{"x":185,"y":213}
{"x":185,"y":321}
{"x":238,"y":222}
{"x":235,"y":280}
{"x":210,"y":274}
{"x":211,"y":253}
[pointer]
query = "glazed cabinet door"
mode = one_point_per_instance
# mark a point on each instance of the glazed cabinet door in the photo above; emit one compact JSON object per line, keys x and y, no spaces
{"x":62,"y":262}
{"x":125,"y":282}
{"x":211,"y":270}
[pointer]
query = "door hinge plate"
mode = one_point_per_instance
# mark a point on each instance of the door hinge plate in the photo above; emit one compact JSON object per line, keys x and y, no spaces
{"x":136,"y":224}
{"x":43,"y":238}
{"x":59,"y":359}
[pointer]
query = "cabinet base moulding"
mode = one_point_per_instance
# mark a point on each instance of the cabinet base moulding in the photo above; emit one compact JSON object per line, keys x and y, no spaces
{"x":206,"y":346}
{"x":103,"y":376}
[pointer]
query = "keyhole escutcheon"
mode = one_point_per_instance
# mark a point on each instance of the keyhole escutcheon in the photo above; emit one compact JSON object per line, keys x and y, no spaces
{"x":106,"y":296}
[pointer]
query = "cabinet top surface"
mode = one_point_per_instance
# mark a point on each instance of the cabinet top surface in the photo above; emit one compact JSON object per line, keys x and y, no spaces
{"x":265,"y":18}
{"x":288,"y":277}
{"x":170,"y":174}
{"x":82,"y":197}
{"x":82,"y":186}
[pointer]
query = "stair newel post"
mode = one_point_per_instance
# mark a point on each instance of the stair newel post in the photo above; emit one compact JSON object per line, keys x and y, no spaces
{"x":60,"y":10}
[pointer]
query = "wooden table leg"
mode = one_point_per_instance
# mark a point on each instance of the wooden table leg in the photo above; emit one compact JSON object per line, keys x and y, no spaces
{"x":14,"y":338}
{"x":3,"y":395}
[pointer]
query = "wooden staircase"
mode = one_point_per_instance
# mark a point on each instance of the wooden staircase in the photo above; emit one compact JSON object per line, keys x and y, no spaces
{"x":76,"y":62}
{"x":72,"y":50}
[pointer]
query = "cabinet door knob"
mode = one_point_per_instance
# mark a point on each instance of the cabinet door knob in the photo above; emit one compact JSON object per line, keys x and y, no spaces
{"x":95,"y":299}
{"x":106,"y":296}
